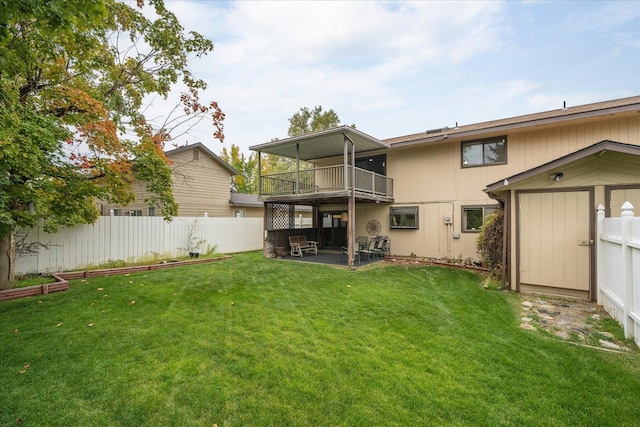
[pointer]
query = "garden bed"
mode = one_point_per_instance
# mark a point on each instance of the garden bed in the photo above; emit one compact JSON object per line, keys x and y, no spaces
{"x":28,"y":291}
{"x":413,"y":260}
{"x":62,"y":284}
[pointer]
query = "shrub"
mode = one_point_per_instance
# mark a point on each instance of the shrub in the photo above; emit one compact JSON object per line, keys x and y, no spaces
{"x":489,"y":243}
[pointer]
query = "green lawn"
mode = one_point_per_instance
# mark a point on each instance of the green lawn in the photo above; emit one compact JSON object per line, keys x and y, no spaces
{"x":257,"y":342}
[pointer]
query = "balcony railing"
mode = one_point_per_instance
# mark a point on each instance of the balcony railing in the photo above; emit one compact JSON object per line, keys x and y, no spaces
{"x":325,"y":179}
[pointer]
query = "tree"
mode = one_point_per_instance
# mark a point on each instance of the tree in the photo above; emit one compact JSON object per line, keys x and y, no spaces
{"x":303,"y":122}
{"x":73,"y":79}
{"x":247,"y":167}
{"x":307,"y":121}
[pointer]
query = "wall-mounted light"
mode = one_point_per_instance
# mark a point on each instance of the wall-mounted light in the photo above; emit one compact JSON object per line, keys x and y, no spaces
{"x":344,"y":217}
{"x":557,"y":176}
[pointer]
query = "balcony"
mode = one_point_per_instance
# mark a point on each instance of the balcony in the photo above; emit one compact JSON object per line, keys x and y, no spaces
{"x":326,"y":183}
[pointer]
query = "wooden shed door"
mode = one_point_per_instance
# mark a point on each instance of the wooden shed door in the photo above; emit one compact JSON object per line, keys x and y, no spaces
{"x":554,"y":247}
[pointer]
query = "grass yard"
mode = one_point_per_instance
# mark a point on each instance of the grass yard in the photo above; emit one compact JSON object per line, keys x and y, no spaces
{"x":254,"y":342}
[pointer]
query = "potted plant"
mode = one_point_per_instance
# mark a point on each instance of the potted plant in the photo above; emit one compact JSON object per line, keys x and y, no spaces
{"x":193,"y":243}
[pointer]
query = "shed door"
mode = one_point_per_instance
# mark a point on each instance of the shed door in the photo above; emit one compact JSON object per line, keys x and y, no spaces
{"x":554,"y":249}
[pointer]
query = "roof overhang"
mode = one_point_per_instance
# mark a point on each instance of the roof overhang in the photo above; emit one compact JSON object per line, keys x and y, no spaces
{"x":621,"y":107}
{"x":322,"y":144}
{"x":596,"y":150}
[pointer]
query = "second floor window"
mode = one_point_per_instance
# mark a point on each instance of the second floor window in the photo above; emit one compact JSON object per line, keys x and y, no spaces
{"x":491,"y":151}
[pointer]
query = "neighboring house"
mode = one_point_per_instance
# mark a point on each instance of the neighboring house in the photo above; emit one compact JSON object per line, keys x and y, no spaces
{"x":249,"y":205}
{"x":201,"y":184}
{"x":246,"y":205}
{"x":430,"y":192}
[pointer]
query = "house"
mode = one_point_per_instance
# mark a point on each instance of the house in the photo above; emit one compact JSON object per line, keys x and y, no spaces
{"x":201,"y":184}
{"x":430,"y":191}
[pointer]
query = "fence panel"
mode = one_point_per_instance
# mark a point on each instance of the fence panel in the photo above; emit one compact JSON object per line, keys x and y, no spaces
{"x":618,"y":253}
{"x":125,"y":238}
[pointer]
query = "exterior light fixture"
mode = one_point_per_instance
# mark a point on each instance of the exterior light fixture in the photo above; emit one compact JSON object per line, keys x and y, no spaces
{"x":344,"y":217}
{"x":557,"y":176}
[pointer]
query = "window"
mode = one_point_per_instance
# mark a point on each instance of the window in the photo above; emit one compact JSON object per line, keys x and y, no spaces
{"x":116,"y":212}
{"x":484,"y":152}
{"x":404,"y":217}
{"x":196,"y":154}
{"x":152,"y":211}
{"x":136,"y":212}
{"x":238,"y":213}
{"x":473,"y":217}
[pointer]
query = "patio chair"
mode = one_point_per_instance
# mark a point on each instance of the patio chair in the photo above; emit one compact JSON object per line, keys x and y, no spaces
{"x":383,"y":247}
{"x":345,"y":251}
{"x":376,"y":245}
{"x":300,"y":245}
{"x":366,"y":249}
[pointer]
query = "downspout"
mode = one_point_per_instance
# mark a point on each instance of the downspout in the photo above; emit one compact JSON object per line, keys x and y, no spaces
{"x":351,"y":194}
{"x":259,"y":173}
{"x":264,"y":208}
{"x":352,"y":213}
{"x":297,"y":168}
{"x":345,"y":178}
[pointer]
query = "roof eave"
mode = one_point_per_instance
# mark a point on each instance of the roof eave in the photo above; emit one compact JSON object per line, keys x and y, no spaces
{"x":599,"y":147}
{"x":527,"y":121}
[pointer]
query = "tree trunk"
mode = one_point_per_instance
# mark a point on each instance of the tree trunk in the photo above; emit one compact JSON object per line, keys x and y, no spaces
{"x":7,"y":260}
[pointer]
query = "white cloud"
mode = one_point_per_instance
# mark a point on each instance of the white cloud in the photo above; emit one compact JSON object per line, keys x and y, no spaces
{"x":389,"y":67}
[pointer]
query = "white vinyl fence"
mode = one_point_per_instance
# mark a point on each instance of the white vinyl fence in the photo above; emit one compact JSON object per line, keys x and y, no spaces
{"x":619,"y":268}
{"x":127,"y":238}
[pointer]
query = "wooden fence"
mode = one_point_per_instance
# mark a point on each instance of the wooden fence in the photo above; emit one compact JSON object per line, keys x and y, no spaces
{"x":130,"y":239}
{"x":618,"y":249}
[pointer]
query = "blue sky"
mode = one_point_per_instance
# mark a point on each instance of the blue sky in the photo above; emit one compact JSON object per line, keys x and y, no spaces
{"x":398,"y":68}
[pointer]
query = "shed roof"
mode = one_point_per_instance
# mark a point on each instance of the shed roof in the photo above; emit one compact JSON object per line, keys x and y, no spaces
{"x":322,"y":144}
{"x":246,"y":200}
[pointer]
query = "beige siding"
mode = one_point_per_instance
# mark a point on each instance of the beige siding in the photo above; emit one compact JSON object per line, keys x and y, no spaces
{"x":199,"y":185}
{"x":620,"y":196}
{"x":431,"y":176}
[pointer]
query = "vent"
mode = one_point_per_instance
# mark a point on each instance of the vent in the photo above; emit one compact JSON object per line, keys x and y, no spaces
{"x":439,"y":130}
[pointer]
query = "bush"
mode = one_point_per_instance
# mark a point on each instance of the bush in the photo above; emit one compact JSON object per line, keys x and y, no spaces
{"x":489,"y":243}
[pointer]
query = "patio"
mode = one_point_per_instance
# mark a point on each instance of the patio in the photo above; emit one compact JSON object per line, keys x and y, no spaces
{"x":332,"y":257}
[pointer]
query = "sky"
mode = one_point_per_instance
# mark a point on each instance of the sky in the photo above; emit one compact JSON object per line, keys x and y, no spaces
{"x":399,"y":68}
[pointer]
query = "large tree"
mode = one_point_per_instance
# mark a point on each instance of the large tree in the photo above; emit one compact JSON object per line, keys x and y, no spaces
{"x":307,"y":121}
{"x":73,"y":80}
{"x":247,"y":167}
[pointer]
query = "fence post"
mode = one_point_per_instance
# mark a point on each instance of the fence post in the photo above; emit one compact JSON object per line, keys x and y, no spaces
{"x":600,"y":261}
{"x":627,"y":265}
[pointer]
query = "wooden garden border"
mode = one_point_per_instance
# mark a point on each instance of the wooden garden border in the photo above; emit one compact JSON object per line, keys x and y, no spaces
{"x":62,"y":284}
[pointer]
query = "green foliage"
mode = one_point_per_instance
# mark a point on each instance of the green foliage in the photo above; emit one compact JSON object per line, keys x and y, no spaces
{"x":246,"y":181}
{"x":73,"y":79}
{"x":307,"y":121}
{"x":489,"y":243}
